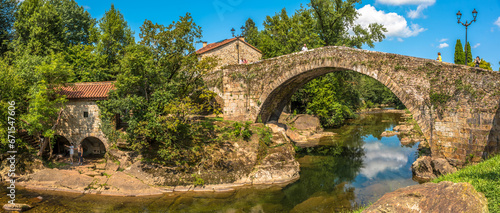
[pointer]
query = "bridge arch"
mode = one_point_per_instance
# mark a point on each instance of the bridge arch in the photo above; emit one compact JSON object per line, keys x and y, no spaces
{"x":454,"y":105}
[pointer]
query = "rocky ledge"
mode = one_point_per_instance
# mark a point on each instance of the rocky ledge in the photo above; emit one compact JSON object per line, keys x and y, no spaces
{"x":304,"y":130}
{"x":432,"y":197}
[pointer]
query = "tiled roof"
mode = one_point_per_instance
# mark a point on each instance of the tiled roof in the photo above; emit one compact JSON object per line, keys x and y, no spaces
{"x":222,"y":43}
{"x":88,"y":90}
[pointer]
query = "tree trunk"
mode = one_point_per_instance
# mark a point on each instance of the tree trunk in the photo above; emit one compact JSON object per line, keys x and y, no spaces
{"x":44,"y":143}
{"x":42,"y":146}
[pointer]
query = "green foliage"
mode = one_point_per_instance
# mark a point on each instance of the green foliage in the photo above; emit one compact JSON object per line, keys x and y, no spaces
{"x":7,"y":18}
{"x":197,"y":180}
{"x":78,"y":24}
{"x":283,"y":34}
{"x":439,"y":99}
{"x":115,"y":36}
{"x":459,"y":53}
{"x":484,"y":177}
{"x":374,"y":92}
{"x":335,"y":18}
{"x":482,"y":64}
{"x":329,"y":97}
{"x":39,"y":29}
{"x":158,"y":91}
{"x":265,"y":135}
{"x":251,"y":33}
{"x":469,"y":53}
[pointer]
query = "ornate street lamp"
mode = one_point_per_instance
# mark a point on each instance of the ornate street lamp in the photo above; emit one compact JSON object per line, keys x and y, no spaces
{"x":232,"y":31}
{"x":459,"y":15}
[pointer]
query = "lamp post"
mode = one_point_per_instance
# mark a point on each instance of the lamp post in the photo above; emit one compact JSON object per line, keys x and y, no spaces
{"x":459,"y":15}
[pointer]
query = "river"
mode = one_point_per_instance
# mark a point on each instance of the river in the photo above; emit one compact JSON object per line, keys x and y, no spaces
{"x":354,"y":168}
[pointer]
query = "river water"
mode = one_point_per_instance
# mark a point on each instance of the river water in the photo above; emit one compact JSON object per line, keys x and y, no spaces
{"x":354,"y":168}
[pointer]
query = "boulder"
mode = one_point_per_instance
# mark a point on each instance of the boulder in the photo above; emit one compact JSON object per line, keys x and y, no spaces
{"x":403,"y":128}
{"x":307,"y":122}
{"x":432,"y":197}
{"x":16,"y":207}
{"x":389,"y":133}
{"x":426,"y":168}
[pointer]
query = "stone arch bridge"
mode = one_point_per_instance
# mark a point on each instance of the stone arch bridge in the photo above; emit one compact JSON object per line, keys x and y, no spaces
{"x":456,"y":106}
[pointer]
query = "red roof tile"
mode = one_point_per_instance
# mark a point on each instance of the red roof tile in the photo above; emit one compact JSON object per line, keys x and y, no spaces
{"x":88,"y":90}
{"x":222,"y":43}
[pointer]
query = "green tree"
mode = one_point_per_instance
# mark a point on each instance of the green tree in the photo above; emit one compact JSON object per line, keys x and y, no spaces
{"x":12,"y":88}
{"x":7,"y":18}
{"x":115,"y":36}
{"x":160,"y":86}
{"x":251,"y":32}
{"x":469,"y":53}
{"x":79,"y":25}
{"x":283,"y":34}
{"x":459,"y":53}
{"x":45,"y":105}
{"x":334,"y":19}
{"x":38,"y":28}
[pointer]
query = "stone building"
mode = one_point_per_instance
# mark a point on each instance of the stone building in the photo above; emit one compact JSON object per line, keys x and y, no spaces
{"x":230,"y":51}
{"x":80,"y":122}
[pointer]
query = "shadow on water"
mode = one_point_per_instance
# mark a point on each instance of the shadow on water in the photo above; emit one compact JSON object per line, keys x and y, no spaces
{"x":355,"y":168}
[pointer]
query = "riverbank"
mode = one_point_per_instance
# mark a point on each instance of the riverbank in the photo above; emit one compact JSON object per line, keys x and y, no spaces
{"x":484,"y":176}
{"x":340,"y":176}
{"x":124,"y":174}
{"x":264,"y":158}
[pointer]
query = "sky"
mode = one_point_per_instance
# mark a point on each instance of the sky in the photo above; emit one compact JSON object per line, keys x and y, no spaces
{"x":419,"y":28}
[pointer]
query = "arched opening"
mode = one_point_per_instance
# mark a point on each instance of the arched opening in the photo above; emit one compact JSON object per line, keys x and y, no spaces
{"x":281,"y":93}
{"x":61,"y":146}
{"x":93,"y":147}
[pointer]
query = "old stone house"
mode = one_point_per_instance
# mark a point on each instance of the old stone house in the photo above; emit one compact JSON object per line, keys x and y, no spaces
{"x":230,"y":51}
{"x":80,"y":122}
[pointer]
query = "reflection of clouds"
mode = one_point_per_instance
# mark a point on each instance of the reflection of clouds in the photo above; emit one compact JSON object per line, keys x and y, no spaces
{"x":380,"y":157}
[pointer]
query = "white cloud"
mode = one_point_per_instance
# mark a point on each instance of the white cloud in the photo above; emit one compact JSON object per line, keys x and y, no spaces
{"x":406,"y":2}
{"x":400,"y":40}
{"x":86,"y":7}
{"x":477,"y":45}
{"x":395,"y":24}
{"x":380,"y":157}
{"x":413,"y":14}
{"x":443,"y":45}
{"x":497,"y":22}
{"x":443,"y":40}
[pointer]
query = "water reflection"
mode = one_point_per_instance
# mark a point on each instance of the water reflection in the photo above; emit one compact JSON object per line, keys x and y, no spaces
{"x":380,"y":157}
{"x":356,"y":168}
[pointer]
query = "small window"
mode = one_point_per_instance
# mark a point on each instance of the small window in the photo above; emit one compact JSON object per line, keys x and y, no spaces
{"x":85,"y":114}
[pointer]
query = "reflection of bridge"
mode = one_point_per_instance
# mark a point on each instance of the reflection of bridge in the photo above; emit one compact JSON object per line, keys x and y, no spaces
{"x":457,"y":107}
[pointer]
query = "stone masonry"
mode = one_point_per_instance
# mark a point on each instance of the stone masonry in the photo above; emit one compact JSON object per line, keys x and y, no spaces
{"x":75,"y":127}
{"x":456,"y":106}
{"x":227,"y":52}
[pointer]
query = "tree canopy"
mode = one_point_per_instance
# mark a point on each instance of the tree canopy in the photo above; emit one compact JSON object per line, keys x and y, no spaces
{"x":459,"y":53}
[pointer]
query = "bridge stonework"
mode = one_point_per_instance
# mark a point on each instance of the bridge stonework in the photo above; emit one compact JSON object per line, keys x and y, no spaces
{"x":456,"y":106}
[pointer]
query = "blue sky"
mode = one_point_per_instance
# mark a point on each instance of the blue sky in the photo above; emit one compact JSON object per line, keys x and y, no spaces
{"x":419,"y":28}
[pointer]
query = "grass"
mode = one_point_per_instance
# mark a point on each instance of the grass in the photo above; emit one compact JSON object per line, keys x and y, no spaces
{"x":485,"y":177}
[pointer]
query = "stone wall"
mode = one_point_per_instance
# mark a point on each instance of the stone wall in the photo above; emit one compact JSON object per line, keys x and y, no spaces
{"x":75,"y":127}
{"x":228,"y":53}
{"x":456,"y":106}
